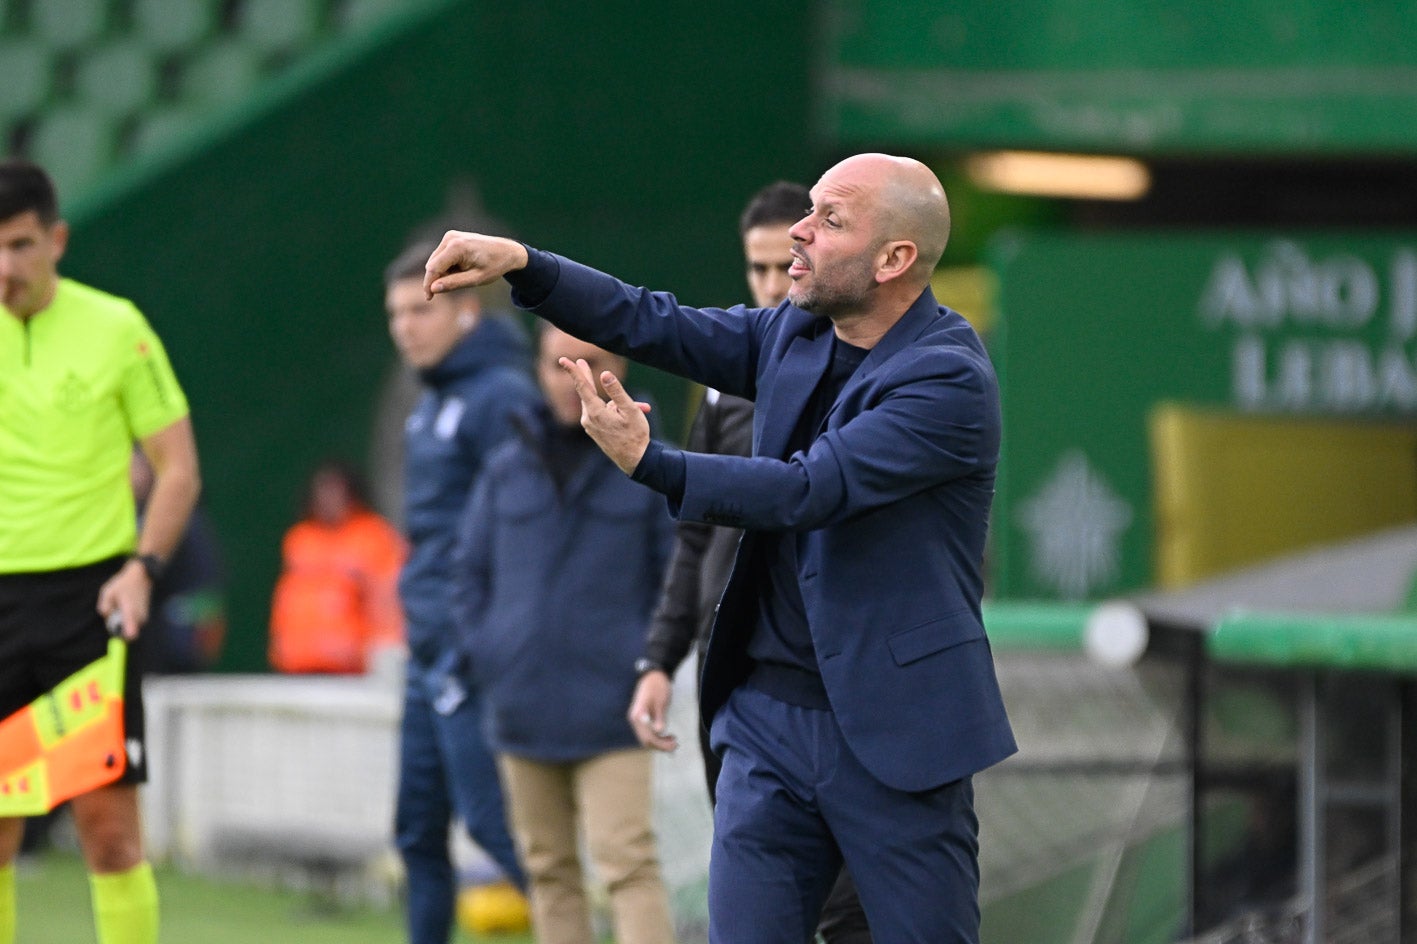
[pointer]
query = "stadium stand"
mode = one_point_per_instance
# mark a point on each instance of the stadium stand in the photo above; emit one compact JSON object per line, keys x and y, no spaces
{"x":171,"y":28}
{"x":357,"y":13}
{"x":91,"y":85}
{"x":75,"y":141}
{"x":26,"y":73}
{"x":118,"y":76}
{"x":68,"y":25}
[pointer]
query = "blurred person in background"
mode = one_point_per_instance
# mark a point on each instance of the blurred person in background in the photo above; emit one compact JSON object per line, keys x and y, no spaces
{"x":187,"y":616}
{"x":474,"y":367}
{"x":84,"y":377}
{"x":703,"y":554}
{"x":848,"y":682}
{"x":335,"y":608}
{"x":551,"y":634}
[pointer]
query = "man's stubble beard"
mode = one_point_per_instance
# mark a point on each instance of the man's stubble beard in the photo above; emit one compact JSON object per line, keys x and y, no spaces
{"x":834,"y":301}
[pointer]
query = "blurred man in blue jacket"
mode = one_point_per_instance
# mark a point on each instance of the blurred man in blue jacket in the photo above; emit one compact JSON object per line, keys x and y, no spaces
{"x":552,"y":634}
{"x":473,"y":366}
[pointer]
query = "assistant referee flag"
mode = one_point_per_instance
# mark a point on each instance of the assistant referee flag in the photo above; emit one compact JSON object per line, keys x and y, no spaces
{"x":67,"y":741}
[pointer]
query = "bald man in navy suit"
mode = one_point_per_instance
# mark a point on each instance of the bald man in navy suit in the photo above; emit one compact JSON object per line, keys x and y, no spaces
{"x":849,"y":681}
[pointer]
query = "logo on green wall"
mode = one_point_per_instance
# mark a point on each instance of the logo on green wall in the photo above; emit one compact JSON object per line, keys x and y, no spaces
{"x":1075,"y":523}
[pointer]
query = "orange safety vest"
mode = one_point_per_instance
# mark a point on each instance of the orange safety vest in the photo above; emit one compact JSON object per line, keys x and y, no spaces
{"x":337,"y":596}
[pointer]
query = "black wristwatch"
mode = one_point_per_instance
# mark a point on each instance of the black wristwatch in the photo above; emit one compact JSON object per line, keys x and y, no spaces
{"x":152,"y":565}
{"x":648,"y":665}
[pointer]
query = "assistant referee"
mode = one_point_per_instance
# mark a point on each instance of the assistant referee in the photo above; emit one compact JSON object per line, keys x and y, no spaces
{"x":82,"y":377}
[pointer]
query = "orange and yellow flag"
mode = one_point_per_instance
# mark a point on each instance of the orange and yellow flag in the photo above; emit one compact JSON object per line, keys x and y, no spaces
{"x":67,"y":741}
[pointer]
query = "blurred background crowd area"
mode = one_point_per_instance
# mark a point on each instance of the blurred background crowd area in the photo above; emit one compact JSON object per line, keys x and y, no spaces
{"x":92,"y":84}
{"x":1188,"y":233}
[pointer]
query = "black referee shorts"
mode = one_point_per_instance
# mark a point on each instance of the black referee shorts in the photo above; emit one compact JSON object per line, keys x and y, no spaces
{"x":49,"y":629}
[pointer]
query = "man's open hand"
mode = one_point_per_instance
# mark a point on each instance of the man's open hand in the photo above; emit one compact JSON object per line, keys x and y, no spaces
{"x":617,"y":425}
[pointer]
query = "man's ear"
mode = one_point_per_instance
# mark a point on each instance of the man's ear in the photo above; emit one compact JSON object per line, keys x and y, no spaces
{"x":58,"y":240}
{"x":896,"y":259}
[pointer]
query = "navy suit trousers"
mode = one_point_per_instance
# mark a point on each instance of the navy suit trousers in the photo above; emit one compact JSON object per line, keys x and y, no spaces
{"x":793,"y":802}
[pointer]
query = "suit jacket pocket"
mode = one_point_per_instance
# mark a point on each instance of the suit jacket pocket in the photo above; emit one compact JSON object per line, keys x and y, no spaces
{"x":914,"y":644}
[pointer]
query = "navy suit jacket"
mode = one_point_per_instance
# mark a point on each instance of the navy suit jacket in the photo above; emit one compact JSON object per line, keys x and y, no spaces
{"x":890,"y":506}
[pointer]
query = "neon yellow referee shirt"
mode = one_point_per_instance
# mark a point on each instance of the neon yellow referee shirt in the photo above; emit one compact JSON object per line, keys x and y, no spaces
{"x":79,"y":382}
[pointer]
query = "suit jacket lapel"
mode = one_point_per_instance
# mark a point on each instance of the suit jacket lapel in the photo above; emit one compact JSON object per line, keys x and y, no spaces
{"x":918,"y":317}
{"x":911,"y":325}
{"x":781,"y":405}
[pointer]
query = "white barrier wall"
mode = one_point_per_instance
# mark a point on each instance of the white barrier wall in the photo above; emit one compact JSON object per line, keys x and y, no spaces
{"x":238,"y":763}
{"x":302,"y":770}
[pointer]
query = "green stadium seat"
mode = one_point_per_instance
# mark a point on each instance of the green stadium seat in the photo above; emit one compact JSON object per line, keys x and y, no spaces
{"x":160,"y":127}
{"x":26,"y":75}
{"x":66,"y":24}
{"x":120,"y":77}
{"x":357,"y":14}
{"x":222,"y":73}
{"x":174,"y":25}
{"x":75,"y":144}
{"x":279,"y":25}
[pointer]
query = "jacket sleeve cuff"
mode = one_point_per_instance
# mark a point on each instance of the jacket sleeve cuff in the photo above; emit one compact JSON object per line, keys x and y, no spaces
{"x":531,"y":285}
{"x":662,"y":469}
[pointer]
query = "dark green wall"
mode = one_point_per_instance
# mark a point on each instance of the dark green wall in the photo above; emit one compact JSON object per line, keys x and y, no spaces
{"x":625,"y":135}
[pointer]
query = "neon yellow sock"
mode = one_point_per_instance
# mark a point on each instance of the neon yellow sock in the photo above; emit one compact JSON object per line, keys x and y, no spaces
{"x":125,"y":906}
{"x":7,"y":905}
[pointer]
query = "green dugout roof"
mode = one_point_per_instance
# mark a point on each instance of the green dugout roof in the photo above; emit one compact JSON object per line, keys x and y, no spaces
{"x":1344,"y":641}
{"x":1381,"y":642}
{"x":1039,"y":625}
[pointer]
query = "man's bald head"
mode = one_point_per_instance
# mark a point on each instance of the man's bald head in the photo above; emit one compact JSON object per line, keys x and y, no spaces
{"x":863,"y":255}
{"x":909,"y":202}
